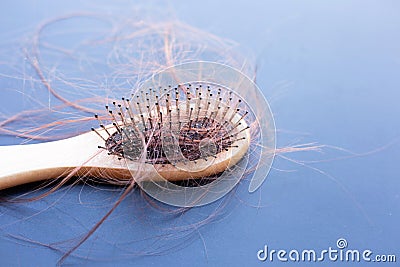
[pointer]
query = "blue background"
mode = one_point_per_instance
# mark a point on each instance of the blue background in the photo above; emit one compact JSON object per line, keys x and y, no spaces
{"x":331,"y":71}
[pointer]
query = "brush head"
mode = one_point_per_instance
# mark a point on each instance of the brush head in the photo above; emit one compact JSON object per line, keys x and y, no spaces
{"x":189,"y":128}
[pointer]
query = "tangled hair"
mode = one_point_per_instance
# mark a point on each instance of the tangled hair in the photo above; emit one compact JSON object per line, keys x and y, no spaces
{"x":84,"y":68}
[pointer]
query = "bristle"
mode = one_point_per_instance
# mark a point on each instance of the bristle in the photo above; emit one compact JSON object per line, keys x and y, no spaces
{"x":157,"y":105}
{"x":94,"y":130}
{"x":241,"y":118}
{"x":170,"y":119}
{"x":98,"y":119}
{"x":168,"y":101}
{"x":190,"y":114}
{"x":235,"y":134}
{"x":236,"y":109}
{"x":150,"y":123}
{"x":128,"y":107}
{"x":105,"y":129}
{"x":149,"y":111}
{"x":208,"y":96}
{"x":143,"y":122}
{"x":135,"y":127}
{"x":188,"y":98}
{"x":117,"y":127}
{"x":179,"y":119}
{"x":227,"y":107}
{"x":198,"y":107}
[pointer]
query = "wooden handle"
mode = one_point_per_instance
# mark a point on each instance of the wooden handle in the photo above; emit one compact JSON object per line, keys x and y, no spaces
{"x":20,"y":164}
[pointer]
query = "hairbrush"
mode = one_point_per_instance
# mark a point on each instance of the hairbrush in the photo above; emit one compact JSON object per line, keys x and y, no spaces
{"x":182,"y":133}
